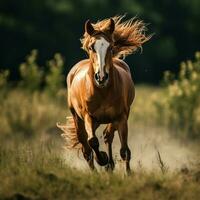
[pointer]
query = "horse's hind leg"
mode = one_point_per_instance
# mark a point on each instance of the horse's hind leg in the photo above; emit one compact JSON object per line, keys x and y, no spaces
{"x":82,"y":137}
{"x":125,"y":152}
{"x":108,"y":139}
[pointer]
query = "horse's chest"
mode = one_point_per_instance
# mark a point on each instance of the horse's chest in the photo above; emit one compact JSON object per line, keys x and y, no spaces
{"x":104,"y":112}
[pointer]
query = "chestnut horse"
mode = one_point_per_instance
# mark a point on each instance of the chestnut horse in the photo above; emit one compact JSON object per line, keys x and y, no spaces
{"x":101,"y":90}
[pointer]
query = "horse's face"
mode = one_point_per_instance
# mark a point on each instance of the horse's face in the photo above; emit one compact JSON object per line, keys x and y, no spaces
{"x":100,"y":55}
{"x":100,"y":52}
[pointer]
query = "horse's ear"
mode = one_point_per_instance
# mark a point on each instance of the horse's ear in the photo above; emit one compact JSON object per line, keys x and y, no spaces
{"x":89,"y":28}
{"x":111,"y":26}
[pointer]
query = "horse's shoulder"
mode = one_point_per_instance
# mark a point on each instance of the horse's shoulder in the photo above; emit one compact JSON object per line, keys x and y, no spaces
{"x":120,"y":63}
{"x":81,"y":65}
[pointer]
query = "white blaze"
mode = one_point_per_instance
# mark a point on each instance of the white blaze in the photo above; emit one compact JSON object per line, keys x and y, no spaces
{"x":101,"y":46}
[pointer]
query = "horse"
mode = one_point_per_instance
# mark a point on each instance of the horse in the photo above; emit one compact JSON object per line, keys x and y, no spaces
{"x":101,"y":89}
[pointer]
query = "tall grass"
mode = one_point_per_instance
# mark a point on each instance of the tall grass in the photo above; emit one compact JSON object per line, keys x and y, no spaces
{"x":30,"y":114}
{"x":34,"y":169}
{"x":37,"y":102}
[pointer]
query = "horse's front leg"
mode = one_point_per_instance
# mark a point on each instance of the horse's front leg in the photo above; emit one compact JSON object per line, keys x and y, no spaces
{"x":108,"y":134}
{"x":91,"y":126}
{"x":125,"y":152}
{"x":82,"y":138}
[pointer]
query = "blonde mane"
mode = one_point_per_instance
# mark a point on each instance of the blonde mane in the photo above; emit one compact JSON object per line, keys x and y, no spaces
{"x":128,"y":36}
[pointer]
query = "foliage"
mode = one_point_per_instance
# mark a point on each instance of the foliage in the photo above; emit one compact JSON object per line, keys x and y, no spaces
{"x":34,"y":77}
{"x":31,"y":73}
{"x":29,"y":114}
{"x":181,"y":102}
{"x":34,"y":112}
{"x":54,"y":79}
{"x":4,"y":85}
{"x":4,"y":78}
{"x":52,"y":25}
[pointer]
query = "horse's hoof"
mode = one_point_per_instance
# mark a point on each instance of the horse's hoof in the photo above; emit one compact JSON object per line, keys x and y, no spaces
{"x":94,"y":143}
{"x":102,"y":159}
{"x":110,"y":166}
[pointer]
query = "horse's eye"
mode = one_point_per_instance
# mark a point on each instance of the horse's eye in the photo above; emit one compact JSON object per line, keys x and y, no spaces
{"x":92,"y":48}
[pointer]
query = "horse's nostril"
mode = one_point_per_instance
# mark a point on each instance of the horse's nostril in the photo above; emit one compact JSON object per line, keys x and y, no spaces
{"x":99,"y":80}
{"x":96,"y":76}
{"x":106,"y":76}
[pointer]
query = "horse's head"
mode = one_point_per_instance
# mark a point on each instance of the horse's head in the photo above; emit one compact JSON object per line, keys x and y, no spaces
{"x":100,"y":51}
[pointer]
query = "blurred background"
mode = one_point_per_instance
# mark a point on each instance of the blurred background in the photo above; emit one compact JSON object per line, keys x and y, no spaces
{"x":39,"y":43}
{"x":52,"y":26}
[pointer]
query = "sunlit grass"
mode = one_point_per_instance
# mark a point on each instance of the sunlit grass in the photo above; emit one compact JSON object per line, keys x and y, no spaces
{"x":34,"y":165}
{"x":35,"y":170}
{"x":29,"y":114}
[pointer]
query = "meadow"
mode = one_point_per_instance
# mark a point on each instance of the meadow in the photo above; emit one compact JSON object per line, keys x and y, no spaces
{"x":163,"y":136}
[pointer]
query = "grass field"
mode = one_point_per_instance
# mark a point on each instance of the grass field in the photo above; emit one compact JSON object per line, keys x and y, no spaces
{"x":34,"y":164}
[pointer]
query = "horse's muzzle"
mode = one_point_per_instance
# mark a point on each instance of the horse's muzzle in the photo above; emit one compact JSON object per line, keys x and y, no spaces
{"x":101,"y":81}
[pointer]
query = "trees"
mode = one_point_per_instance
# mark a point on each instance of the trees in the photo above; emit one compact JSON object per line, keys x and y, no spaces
{"x":56,"y":25}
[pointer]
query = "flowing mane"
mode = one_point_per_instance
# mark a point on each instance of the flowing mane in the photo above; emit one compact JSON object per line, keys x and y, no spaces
{"x":128,"y":36}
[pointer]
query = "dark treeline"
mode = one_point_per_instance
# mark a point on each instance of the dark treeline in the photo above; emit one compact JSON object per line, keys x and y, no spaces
{"x":56,"y":26}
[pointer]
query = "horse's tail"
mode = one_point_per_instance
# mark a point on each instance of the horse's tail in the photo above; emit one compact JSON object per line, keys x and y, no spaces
{"x":69,"y":133}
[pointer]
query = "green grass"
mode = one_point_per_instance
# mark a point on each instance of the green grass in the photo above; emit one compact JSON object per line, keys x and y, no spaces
{"x":33,"y":164}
